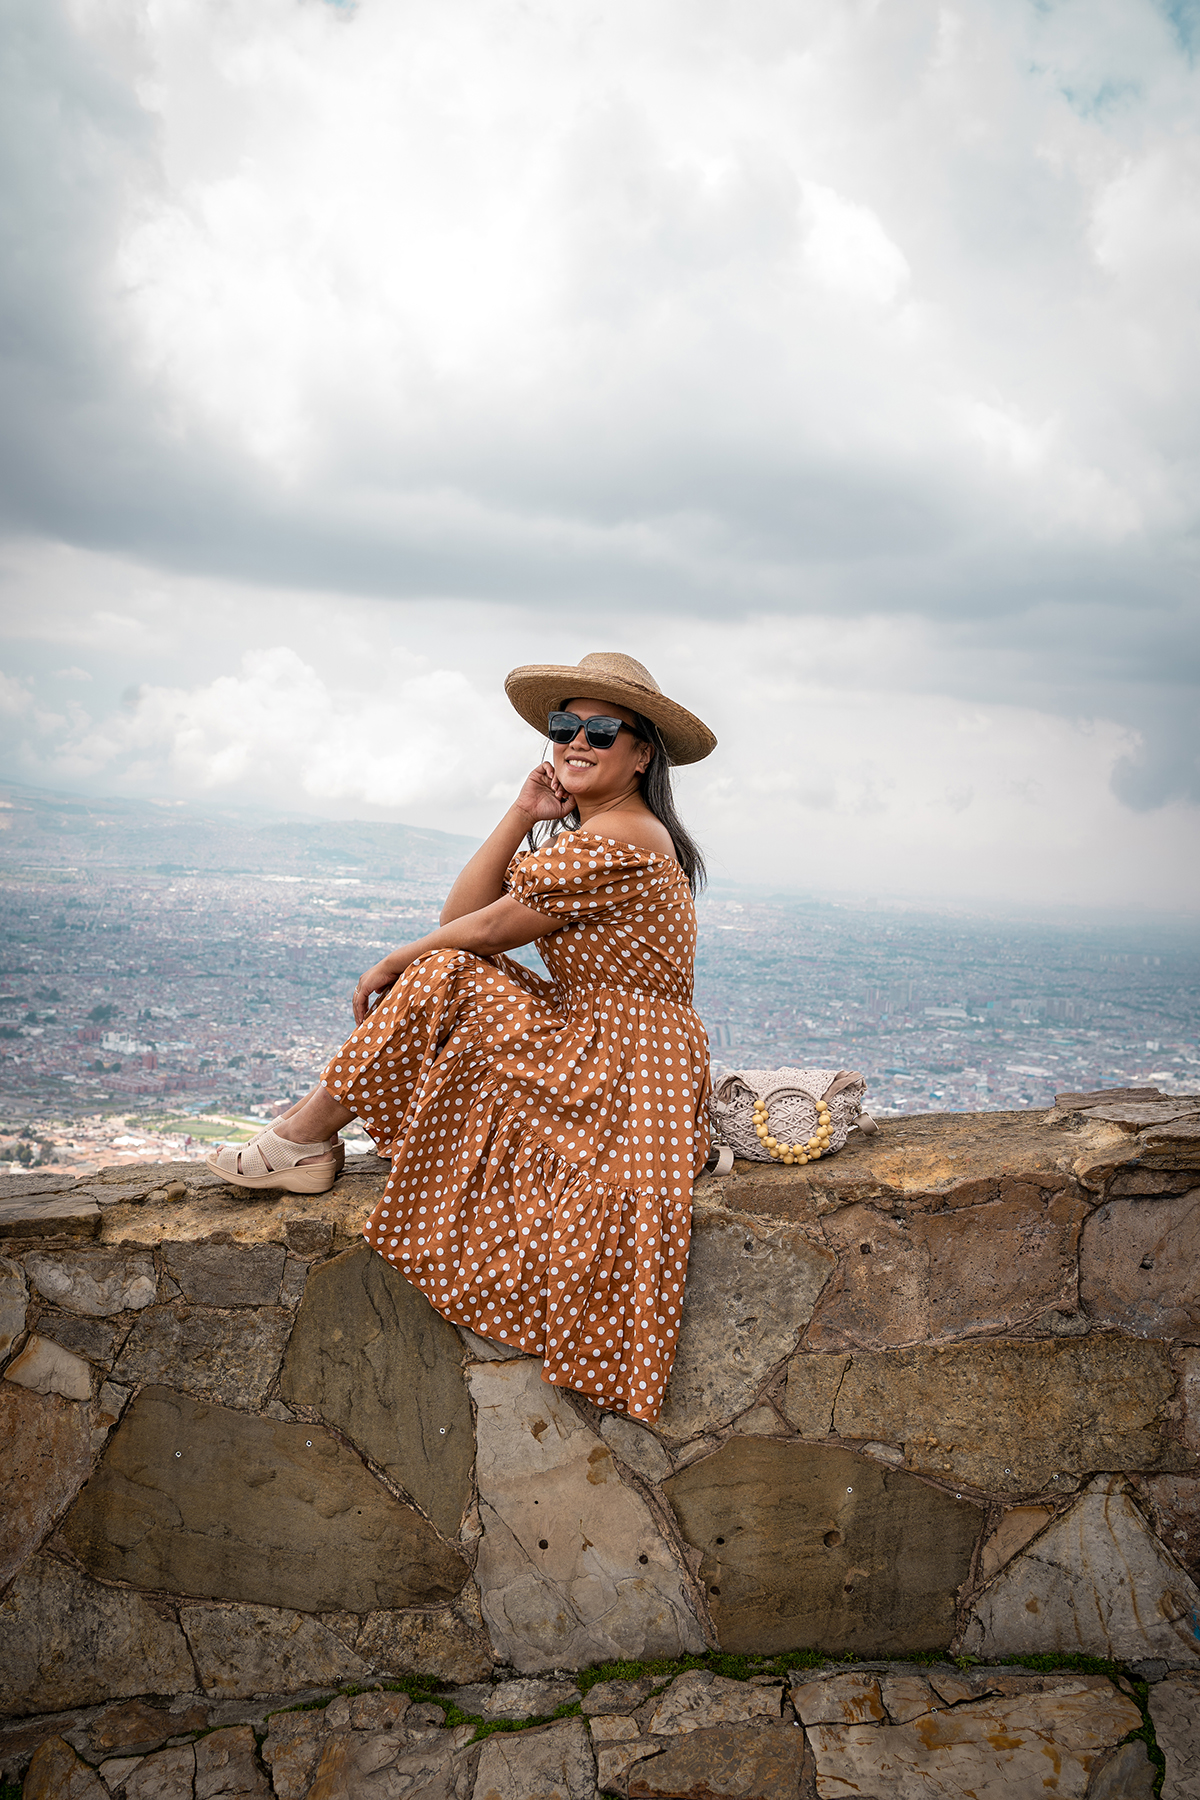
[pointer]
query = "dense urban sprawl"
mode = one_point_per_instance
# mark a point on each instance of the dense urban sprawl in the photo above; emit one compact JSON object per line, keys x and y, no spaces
{"x":151,"y":1009}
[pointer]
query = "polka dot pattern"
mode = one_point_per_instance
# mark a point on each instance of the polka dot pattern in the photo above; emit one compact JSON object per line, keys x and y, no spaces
{"x":545,"y":1133}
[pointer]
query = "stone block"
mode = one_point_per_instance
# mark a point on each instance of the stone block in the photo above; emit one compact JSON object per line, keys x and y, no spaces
{"x":635,"y":1445}
{"x":20,"y":1737}
{"x":953,"y":1273}
{"x":226,"y":1765}
{"x":572,"y":1566}
{"x":134,"y":1727}
{"x":1017,"y":1526}
{"x":529,"y":1699}
{"x":14,"y":1300}
{"x":1175,"y":1711}
{"x":880,"y":1291}
{"x":700,"y":1698}
{"x":96,"y":1283}
{"x":554,"y":1763}
{"x":618,"y":1696}
{"x":113,"y":1773}
{"x":109,"y":1405}
{"x":97,"y":1339}
{"x":614,"y":1761}
{"x":46,"y":1368}
{"x":1155,"y":1182}
{"x":473,"y":1697}
{"x":375,"y":1360}
{"x":998,"y":1266}
{"x":242,"y":1651}
{"x":994,"y":1748}
{"x":378,"y":1712}
{"x":850,"y":1699}
{"x":760,"y":1421}
{"x":17,"y":1187}
{"x":1096,"y":1582}
{"x":804,"y":1546}
{"x":229,"y":1274}
{"x":440,"y":1643}
{"x":56,"y":1773}
{"x":1009,"y":1417}
{"x":751,"y":1288}
{"x":295,"y":1280}
{"x":292,"y":1749}
{"x":55,"y":1216}
{"x":613,"y":1728}
{"x":196,"y":1499}
{"x":762,"y":1762}
{"x":1172,"y":1146}
{"x":229,"y":1357}
{"x":1136,"y":1115}
{"x":1174,"y":1505}
{"x":68,"y":1641}
{"x":1128,"y":1775}
{"x":359,"y":1765}
{"x":905,"y":1697}
{"x":166,"y":1775}
{"x":309,"y":1238}
{"x":48,"y":1457}
{"x":1137,"y":1266}
{"x":1187,"y":1364}
{"x":810,"y":1392}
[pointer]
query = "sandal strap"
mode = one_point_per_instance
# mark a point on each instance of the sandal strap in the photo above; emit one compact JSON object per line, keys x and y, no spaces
{"x":268,"y":1152}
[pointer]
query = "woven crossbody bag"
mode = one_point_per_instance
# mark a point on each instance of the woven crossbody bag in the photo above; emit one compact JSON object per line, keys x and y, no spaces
{"x":785,"y":1115}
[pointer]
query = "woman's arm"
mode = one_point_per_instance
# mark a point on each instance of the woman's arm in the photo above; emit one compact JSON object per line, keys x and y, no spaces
{"x":489,"y":931}
{"x":482,"y":881}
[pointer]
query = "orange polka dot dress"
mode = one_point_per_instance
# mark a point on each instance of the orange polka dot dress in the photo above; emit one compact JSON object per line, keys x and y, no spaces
{"x":545,"y":1134}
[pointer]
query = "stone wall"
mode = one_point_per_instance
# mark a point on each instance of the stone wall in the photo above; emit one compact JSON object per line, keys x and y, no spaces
{"x":941,"y":1391}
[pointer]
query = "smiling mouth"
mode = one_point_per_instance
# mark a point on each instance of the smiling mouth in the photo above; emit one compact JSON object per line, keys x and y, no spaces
{"x":577,"y":762}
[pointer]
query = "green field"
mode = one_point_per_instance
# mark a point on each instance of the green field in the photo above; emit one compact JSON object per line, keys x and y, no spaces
{"x":206,"y":1129}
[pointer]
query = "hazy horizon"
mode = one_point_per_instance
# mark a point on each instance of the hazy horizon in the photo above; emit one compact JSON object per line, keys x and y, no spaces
{"x":460,"y":844}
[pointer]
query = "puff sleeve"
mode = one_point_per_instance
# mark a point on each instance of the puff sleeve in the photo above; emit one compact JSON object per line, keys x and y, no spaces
{"x":572,"y":879}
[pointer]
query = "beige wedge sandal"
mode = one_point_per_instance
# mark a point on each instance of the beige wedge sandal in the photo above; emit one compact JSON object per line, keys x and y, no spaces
{"x":269,"y":1161}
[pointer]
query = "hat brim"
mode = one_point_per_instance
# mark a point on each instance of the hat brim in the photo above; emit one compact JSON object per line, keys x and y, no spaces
{"x":537,"y":689}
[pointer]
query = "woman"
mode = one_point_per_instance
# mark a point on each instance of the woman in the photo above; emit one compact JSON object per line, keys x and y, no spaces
{"x":544,"y":1134}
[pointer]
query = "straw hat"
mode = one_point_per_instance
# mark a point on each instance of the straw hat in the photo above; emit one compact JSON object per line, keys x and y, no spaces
{"x":539,"y":689}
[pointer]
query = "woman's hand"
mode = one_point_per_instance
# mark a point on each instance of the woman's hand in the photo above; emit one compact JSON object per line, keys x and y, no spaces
{"x":375,"y":981}
{"x":543,"y":795}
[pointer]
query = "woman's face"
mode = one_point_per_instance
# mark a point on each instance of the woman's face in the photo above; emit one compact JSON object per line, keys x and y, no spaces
{"x":600,"y":775}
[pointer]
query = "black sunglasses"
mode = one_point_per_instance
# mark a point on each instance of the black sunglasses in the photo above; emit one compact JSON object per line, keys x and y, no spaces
{"x":601,"y":732}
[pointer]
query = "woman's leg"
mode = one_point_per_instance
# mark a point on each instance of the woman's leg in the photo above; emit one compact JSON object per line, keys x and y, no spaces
{"x":313,"y":1120}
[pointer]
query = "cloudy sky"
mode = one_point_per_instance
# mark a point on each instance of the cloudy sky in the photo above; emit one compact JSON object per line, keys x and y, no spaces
{"x":838,"y":359}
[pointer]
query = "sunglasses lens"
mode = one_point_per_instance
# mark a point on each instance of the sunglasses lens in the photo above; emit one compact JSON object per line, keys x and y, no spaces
{"x":602,"y":733}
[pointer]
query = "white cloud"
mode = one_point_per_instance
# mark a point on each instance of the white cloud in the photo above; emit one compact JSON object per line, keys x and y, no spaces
{"x":845,"y":356}
{"x":853,"y":755}
{"x":280,"y":730}
{"x":422,"y":251}
{"x":847,"y":250}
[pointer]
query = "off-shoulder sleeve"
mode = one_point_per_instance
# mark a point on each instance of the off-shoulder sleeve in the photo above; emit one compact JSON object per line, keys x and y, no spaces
{"x":575,"y":876}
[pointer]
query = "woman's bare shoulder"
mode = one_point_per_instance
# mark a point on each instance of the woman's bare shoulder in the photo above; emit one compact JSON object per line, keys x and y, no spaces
{"x":640,"y":828}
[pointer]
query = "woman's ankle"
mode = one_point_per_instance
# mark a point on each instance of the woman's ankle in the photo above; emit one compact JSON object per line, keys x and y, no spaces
{"x":285,"y":1129}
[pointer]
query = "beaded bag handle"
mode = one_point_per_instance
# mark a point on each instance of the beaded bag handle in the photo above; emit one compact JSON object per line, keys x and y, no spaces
{"x":816,"y":1146}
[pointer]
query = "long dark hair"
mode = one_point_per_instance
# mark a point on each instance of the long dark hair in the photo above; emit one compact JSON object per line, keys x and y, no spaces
{"x":658,"y":793}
